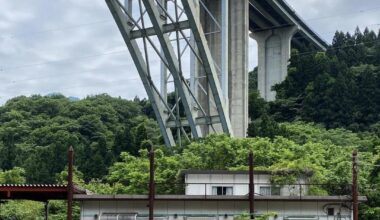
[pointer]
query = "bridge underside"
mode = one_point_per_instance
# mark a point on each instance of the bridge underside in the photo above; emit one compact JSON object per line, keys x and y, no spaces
{"x":276,"y":28}
{"x":212,"y":94}
{"x":267,"y":15}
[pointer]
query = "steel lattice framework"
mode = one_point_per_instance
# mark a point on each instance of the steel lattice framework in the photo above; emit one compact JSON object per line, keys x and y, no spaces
{"x":171,"y":31}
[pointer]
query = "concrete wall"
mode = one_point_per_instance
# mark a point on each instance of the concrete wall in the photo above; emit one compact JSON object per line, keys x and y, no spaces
{"x":177,"y":210}
{"x":202,"y":184}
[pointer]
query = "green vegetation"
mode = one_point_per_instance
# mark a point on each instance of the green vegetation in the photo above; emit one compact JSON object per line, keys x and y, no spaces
{"x":337,"y":90}
{"x":99,"y":128}
{"x":328,"y":106}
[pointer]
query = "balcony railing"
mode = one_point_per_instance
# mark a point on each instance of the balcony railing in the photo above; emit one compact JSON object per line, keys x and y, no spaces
{"x":260,"y":189}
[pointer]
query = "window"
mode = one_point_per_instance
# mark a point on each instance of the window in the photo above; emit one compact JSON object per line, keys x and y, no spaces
{"x":270,"y":190}
{"x":330,"y":211}
{"x":275,"y":191}
{"x":222,"y":191}
{"x":265,"y":190}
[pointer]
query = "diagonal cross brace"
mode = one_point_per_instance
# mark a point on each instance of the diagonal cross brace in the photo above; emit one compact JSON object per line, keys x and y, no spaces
{"x":141,"y":66}
{"x":173,"y":64}
{"x":208,"y":64}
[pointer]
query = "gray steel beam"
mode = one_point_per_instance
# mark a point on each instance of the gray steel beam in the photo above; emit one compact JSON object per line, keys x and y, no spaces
{"x":259,"y":21}
{"x":167,"y":28}
{"x":224,"y":64}
{"x":173,"y":64}
{"x":141,"y":66}
{"x":200,"y":121}
{"x":264,"y":13}
{"x":208,"y":64}
{"x":291,"y":20}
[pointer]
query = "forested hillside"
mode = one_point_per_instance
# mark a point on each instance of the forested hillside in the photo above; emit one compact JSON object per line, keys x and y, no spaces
{"x":328,"y":106}
{"x":337,"y":88}
{"x":36,"y":131}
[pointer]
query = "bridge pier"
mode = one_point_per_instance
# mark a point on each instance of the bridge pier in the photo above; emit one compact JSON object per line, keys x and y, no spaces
{"x":238,"y":66}
{"x":274,"y":48}
{"x":229,"y":48}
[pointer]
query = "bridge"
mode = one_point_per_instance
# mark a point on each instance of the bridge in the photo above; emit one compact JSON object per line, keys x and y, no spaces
{"x":202,"y":46}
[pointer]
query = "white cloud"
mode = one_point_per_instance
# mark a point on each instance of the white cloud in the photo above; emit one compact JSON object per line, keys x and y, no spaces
{"x":47,"y":46}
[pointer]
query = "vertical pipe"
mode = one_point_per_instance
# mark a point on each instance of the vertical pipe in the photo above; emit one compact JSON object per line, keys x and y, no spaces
{"x":70,"y":185}
{"x":151,"y":184}
{"x":251,"y":187}
{"x":128,"y":6}
{"x":194,"y":67}
{"x":224,"y":59}
{"x":164,"y":70}
{"x":355,"y":204}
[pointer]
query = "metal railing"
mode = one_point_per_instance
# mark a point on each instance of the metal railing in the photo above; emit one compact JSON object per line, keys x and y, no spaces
{"x":243,"y":216}
{"x":260,"y":189}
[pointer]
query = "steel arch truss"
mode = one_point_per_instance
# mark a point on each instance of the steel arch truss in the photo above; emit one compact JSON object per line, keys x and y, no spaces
{"x":169,"y":24}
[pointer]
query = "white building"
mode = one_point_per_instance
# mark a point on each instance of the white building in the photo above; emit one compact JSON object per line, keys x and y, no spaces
{"x":222,"y":195}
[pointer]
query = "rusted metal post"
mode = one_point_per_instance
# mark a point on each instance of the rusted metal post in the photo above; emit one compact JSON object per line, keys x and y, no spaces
{"x":355,"y":203}
{"x":46,"y":208}
{"x":151,"y":184}
{"x":70,"y":185}
{"x":251,"y":187}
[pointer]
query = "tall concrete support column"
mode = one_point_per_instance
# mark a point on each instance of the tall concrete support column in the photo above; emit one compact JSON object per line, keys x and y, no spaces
{"x":238,"y":66}
{"x":274,"y":47}
{"x":210,"y":16}
{"x":227,"y":37}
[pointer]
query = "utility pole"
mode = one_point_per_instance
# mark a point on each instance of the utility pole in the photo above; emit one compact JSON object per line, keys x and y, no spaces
{"x":251,"y":187}
{"x":355,"y":204}
{"x":70,"y":185}
{"x":151,"y":184}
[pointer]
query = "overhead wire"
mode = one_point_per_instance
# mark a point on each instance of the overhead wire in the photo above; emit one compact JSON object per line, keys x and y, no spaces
{"x":43,"y":31}
{"x":111,"y":20}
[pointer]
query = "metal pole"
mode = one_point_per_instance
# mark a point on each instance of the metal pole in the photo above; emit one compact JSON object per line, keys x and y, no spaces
{"x":355,"y":204}
{"x":46,"y":210}
{"x":128,"y":6}
{"x":70,"y":185}
{"x":151,"y":184}
{"x":164,"y":70}
{"x":251,"y":187}
{"x":224,"y":60}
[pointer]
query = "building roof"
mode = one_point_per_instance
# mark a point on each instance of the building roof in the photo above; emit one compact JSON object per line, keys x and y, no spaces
{"x":244,"y":172}
{"x":215,"y":198}
{"x":37,"y":192}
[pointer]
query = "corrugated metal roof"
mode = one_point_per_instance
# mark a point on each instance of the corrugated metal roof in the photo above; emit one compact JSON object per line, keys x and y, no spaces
{"x":33,"y":185}
{"x":245,"y":172}
{"x":217,"y":198}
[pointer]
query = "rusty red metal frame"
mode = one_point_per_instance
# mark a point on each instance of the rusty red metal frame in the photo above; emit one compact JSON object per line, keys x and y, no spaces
{"x":355,"y":203}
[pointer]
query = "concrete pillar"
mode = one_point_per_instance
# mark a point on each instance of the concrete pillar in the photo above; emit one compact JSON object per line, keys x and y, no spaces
{"x":274,"y":47}
{"x":210,"y":20}
{"x":236,"y":49}
{"x":238,"y":66}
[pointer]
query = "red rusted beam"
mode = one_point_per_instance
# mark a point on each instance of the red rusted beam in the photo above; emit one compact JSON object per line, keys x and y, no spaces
{"x":70,"y":185}
{"x":355,"y":203}
{"x":151,"y":184}
{"x":251,"y":187}
{"x":37,"y":190}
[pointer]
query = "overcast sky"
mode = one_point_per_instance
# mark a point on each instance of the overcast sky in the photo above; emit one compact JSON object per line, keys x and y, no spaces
{"x":74,"y":47}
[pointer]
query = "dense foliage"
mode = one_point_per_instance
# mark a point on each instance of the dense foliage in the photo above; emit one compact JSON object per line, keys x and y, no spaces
{"x":328,"y":106}
{"x":339,"y":88}
{"x":99,"y":128}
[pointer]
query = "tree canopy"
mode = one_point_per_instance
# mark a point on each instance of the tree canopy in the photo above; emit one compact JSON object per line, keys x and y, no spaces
{"x":328,"y":106}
